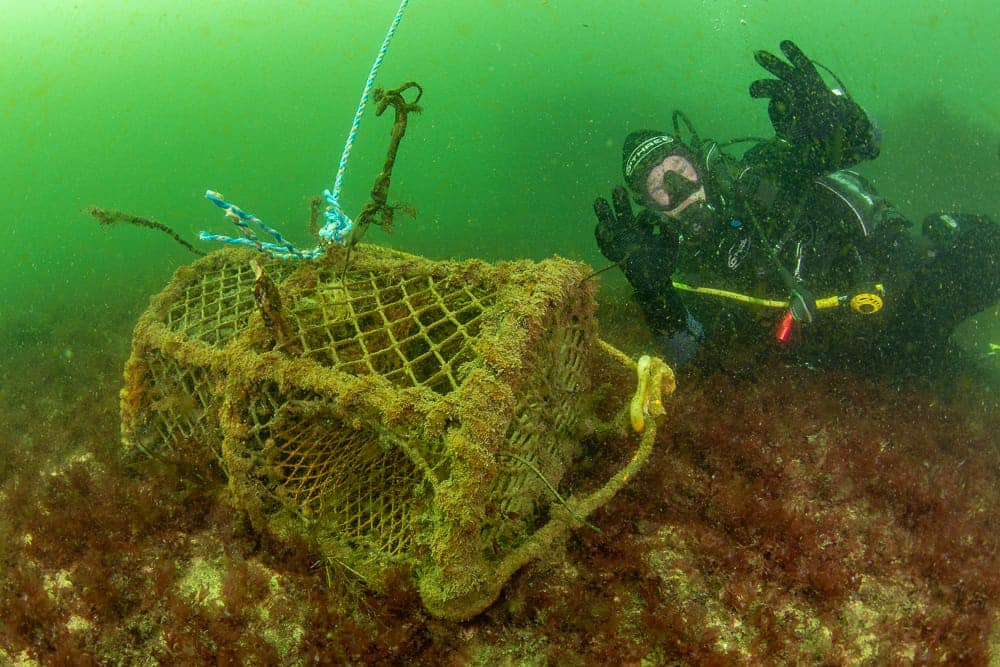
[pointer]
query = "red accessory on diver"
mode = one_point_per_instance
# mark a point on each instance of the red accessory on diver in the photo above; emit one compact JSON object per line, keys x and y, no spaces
{"x":784,"y":329}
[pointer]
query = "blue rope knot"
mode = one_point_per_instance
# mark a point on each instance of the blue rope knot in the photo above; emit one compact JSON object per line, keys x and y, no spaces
{"x":338,"y":225}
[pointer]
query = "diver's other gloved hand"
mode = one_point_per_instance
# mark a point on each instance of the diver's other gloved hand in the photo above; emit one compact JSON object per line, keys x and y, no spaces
{"x":827,"y":127}
{"x":646,"y":257}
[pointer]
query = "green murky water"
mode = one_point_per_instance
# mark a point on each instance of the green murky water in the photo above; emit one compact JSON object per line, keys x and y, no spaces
{"x":143,"y":105}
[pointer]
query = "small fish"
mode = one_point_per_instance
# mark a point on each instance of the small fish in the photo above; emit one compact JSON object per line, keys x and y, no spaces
{"x":994,"y":349}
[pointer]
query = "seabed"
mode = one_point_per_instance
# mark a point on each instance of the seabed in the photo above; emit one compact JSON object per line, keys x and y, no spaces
{"x":786,"y":516}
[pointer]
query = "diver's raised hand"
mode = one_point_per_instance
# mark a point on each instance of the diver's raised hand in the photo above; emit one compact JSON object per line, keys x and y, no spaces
{"x":617,"y":229}
{"x":632,"y":241}
{"x":647,"y":258}
{"x":828,"y":127}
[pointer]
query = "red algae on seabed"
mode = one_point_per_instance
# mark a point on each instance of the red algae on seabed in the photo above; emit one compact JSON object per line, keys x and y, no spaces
{"x":785,"y":517}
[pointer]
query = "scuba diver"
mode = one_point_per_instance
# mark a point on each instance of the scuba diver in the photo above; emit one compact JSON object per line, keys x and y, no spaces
{"x":784,"y":242}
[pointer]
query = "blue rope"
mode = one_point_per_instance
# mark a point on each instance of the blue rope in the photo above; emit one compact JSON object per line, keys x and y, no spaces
{"x":338,"y":225}
{"x":280,"y":248}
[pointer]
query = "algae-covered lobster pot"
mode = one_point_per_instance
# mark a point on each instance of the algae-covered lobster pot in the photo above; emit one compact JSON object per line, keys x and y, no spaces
{"x":413,"y":413}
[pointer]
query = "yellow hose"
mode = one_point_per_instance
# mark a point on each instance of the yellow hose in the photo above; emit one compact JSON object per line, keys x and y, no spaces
{"x":826,"y":302}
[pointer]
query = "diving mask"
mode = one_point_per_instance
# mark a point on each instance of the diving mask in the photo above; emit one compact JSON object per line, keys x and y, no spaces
{"x":662,"y":170}
{"x":673,"y":185}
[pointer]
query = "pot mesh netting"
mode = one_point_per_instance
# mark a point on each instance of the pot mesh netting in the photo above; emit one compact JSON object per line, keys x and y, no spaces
{"x":411,"y":412}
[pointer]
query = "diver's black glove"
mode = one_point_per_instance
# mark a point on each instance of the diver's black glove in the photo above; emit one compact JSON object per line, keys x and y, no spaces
{"x":647,"y":258}
{"x":827,"y":129}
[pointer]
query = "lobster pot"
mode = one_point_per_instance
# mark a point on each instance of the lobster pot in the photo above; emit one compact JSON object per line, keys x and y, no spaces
{"x":413,"y":412}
